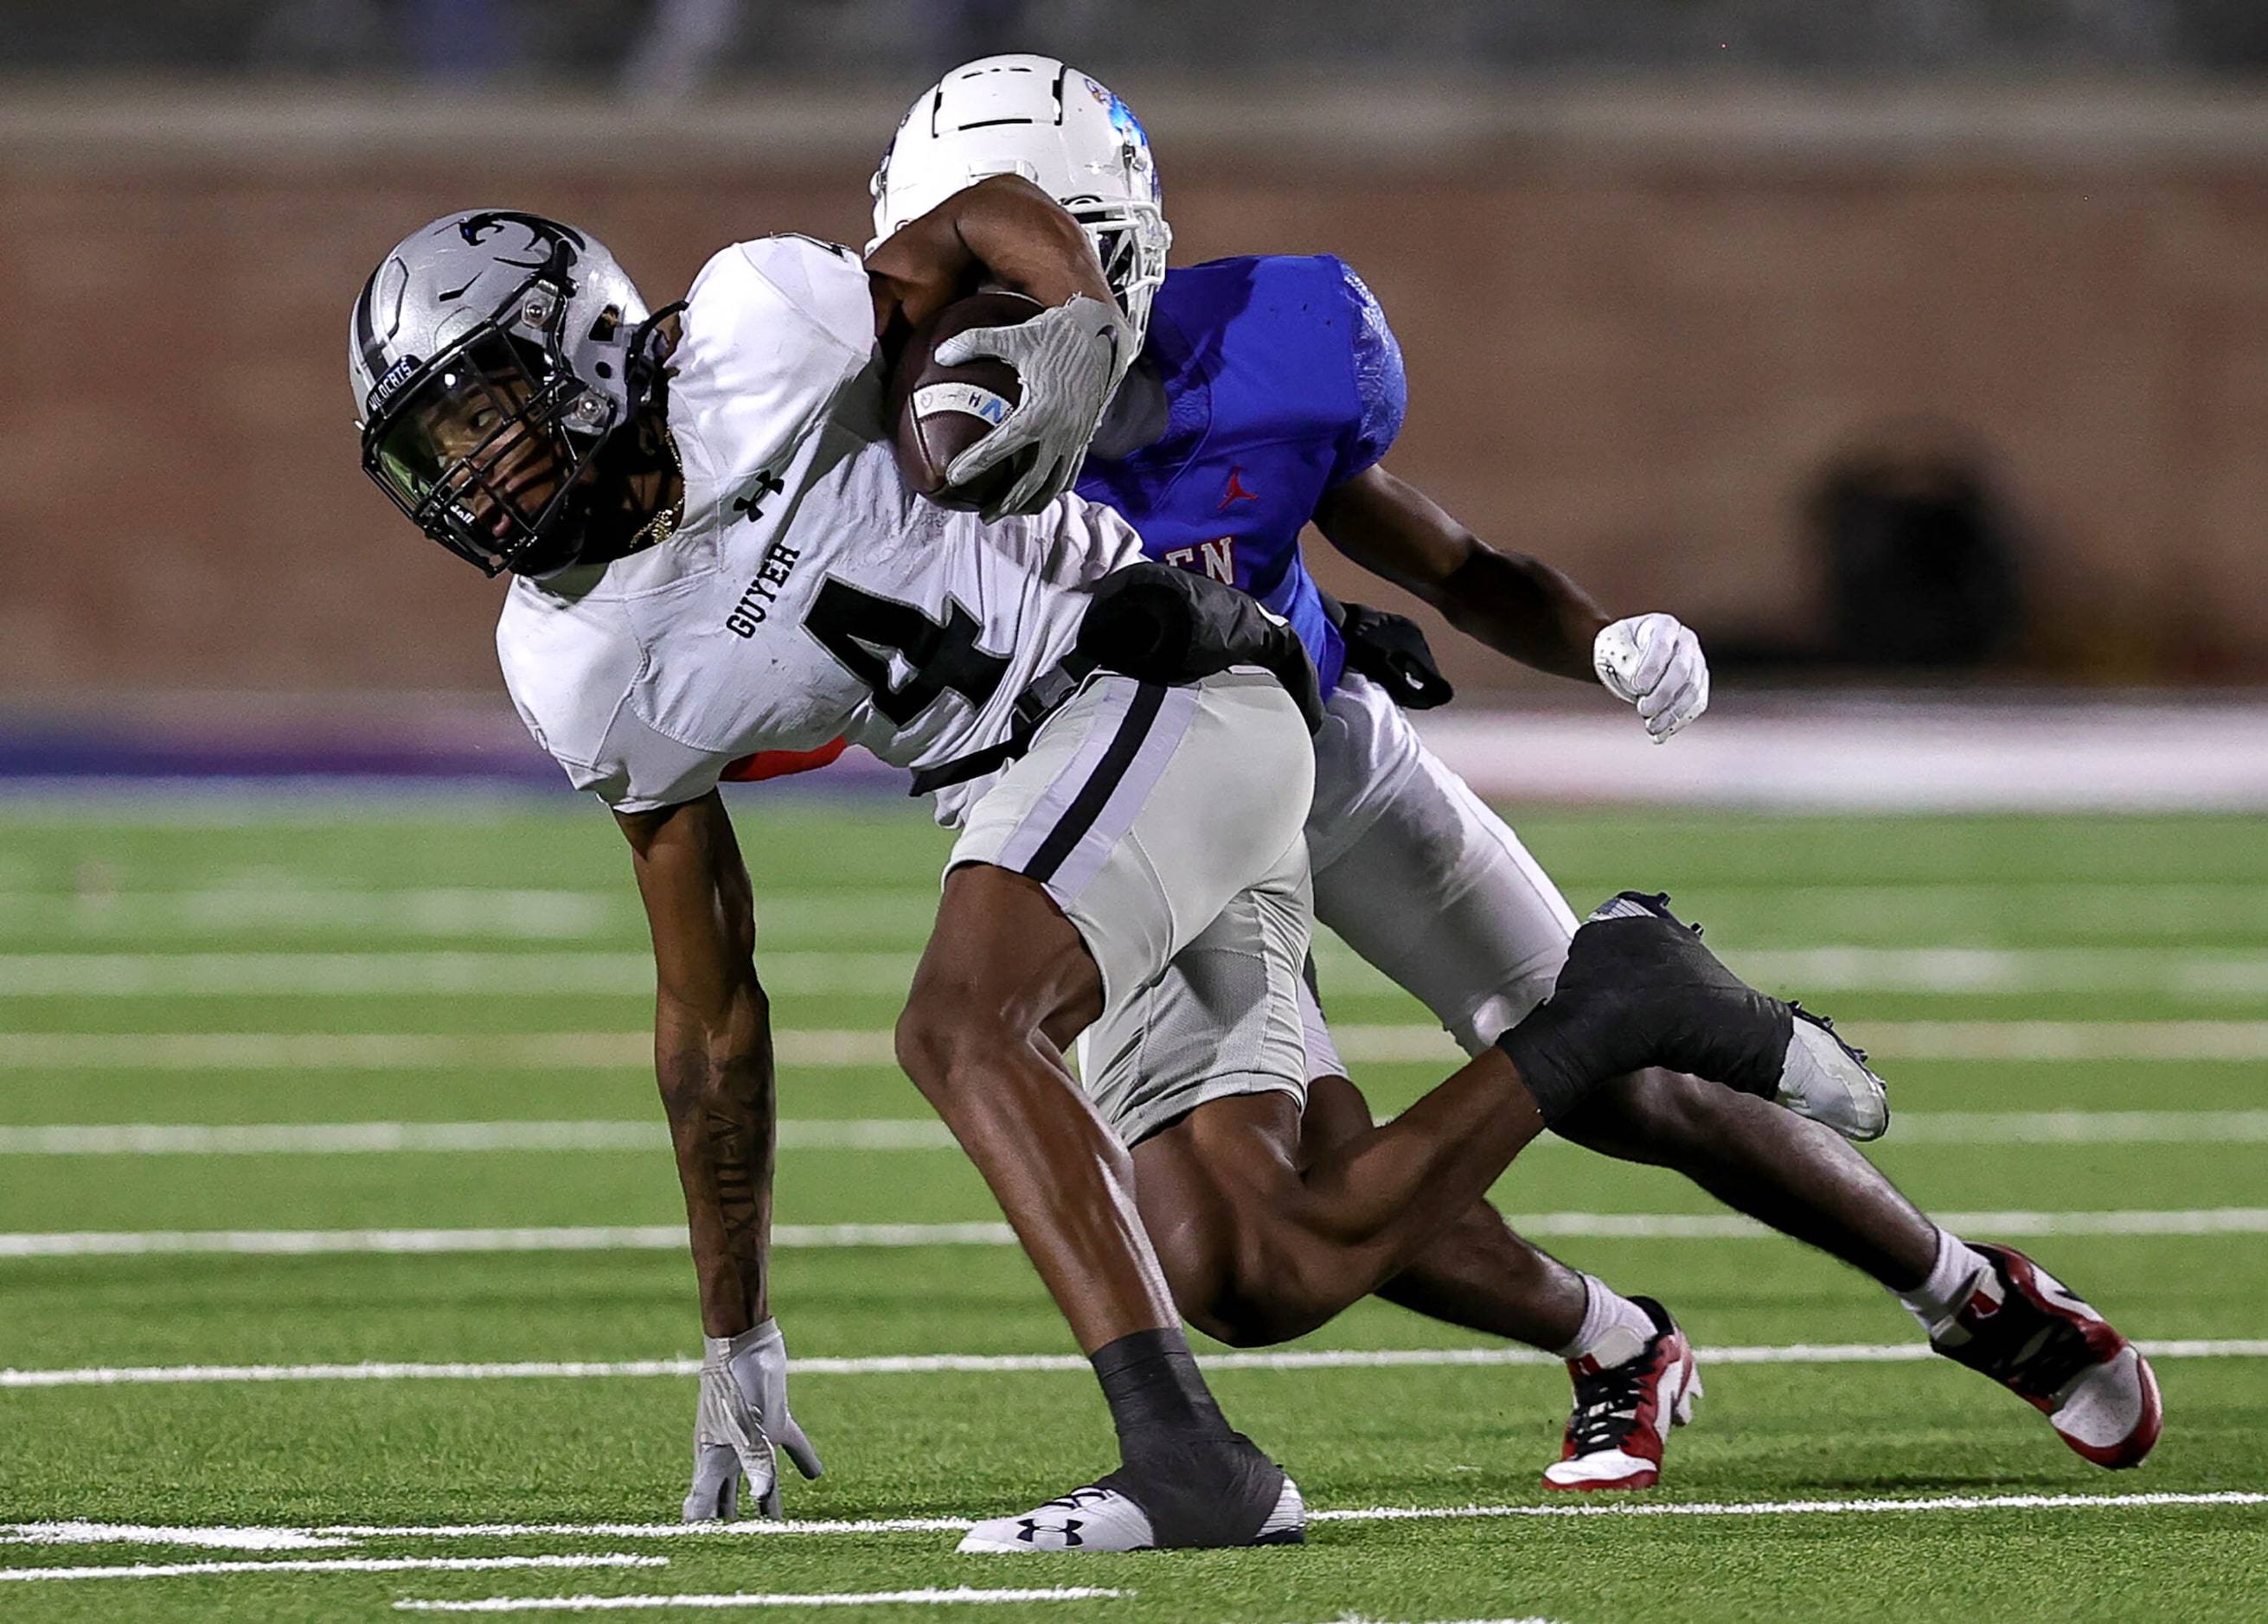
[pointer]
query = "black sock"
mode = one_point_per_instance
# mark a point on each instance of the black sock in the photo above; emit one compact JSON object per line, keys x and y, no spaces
{"x":1151,"y":1381}
{"x":1199,"y":1482}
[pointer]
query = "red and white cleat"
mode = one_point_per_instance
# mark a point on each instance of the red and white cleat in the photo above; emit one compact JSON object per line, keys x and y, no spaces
{"x":1624,"y":1411}
{"x":2039,"y":1338}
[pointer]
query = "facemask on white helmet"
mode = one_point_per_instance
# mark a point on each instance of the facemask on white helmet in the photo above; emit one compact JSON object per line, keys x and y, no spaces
{"x":1068,"y":133}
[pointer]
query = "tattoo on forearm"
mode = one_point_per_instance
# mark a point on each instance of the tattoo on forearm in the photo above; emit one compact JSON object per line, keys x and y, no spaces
{"x":736,"y":1158}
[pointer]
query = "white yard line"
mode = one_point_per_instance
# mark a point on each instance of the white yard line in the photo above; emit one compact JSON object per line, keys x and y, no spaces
{"x":444,"y":911}
{"x":2178,"y":971}
{"x":2129,"y":1041}
{"x":328,"y":1564}
{"x":893,"y":915}
{"x":671,"y":1238}
{"x":888,"y":917}
{"x":626,"y":1238}
{"x":2078,"y":1126}
{"x":380,"y":1138}
{"x":82,"y":1533}
{"x":404,"y":1051}
{"x":954,"y":1597}
{"x":922,"y":1365}
{"x":421,"y":975}
{"x":757,"y":1528}
{"x":1787,"y":1508}
{"x":2018,"y":1039}
{"x":825,"y":1047}
{"x":2039,"y":1127}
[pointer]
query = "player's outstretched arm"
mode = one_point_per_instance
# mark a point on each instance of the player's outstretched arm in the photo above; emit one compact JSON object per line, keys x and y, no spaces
{"x":1518,"y":606}
{"x":1004,"y":232}
{"x":713,"y":1059}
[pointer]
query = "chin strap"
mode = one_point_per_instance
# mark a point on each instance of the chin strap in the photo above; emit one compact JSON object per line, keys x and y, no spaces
{"x":645,"y":381}
{"x":645,"y":355}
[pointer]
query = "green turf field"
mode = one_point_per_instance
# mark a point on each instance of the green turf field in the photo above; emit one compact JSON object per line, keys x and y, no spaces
{"x":2074,"y":1014}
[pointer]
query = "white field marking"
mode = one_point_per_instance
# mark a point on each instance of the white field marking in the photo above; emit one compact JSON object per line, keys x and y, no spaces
{"x":824,"y":1046}
{"x":760,"y":1598}
{"x":330,"y":1564}
{"x":671,"y":1238}
{"x":2180,"y":973}
{"x":891,"y":917}
{"x":345,"y":1138}
{"x":758,"y":1528}
{"x":901,"y":917}
{"x":79,"y":1531}
{"x":625,"y":1237}
{"x":2045,"y":1128}
{"x":447,"y":911}
{"x":2131,"y":1041}
{"x":257,"y":1051}
{"x":1781,"y":1508}
{"x":2124,"y":910}
{"x":923,"y":1364}
{"x":279,"y":1051}
{"x":421,"y":975}
{"x":2079,"y":1127}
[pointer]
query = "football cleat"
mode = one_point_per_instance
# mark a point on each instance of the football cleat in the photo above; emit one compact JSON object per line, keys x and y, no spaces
{"x":1829,"y":1082}
{"x":2034,"y":1335}
{"x":1624,"y":1411}
{"x":1098,"y":1517}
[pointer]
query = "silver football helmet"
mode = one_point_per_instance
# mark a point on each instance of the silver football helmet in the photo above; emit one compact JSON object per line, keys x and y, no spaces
{"x":1065,"y":131}
{"x":492,"y":354}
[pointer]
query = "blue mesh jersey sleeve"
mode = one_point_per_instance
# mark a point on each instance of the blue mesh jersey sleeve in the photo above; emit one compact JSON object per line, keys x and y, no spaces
{"x":1381,"y":388}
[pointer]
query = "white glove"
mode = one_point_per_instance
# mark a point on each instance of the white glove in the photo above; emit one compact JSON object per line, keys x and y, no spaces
{"x":1069,"y":360}
{"x":1653,"y":661}
{"x":743,"y":1412}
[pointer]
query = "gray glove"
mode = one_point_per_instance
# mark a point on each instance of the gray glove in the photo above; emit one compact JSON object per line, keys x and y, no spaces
{"x":743,"y":1414}
{"x":1069,"y":360}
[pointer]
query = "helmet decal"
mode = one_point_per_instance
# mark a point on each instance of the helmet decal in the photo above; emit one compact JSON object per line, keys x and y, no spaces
{"x":1122,"y":116}
{"x":396,"y":375}
{"x":561,"y":240}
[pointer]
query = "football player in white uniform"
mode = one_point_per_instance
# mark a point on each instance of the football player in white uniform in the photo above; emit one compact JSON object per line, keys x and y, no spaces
{"x":714,"y":556}
{"x":1410,"y":867}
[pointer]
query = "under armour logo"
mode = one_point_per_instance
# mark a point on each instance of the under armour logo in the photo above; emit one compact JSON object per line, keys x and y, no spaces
{"x":1236,"y":490}
{"x":1030,"y":1528}
{"x":768,"y":484}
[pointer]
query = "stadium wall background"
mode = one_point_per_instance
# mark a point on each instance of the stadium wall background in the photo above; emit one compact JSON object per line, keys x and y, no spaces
{"x":1639,"y":319}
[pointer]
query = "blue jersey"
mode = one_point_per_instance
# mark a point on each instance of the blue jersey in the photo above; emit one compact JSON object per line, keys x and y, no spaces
{"x":1282,"y":381}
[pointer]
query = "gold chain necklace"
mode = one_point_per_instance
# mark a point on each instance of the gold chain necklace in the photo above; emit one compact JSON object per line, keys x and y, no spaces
{"x":664,"y":523}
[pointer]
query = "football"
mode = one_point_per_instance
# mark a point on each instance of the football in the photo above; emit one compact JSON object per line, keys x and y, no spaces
{"x":938,"y":412}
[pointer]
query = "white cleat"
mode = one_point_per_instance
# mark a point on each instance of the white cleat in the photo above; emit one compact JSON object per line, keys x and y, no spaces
{"x":1096,"y":1518}
{"x":1828,"y":1081}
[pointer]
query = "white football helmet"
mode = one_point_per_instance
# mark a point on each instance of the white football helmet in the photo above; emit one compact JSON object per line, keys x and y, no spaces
{"x":1066,"y":132}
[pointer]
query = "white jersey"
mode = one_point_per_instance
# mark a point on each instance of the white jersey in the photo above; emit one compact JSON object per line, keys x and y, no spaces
{"x":807,"y":594}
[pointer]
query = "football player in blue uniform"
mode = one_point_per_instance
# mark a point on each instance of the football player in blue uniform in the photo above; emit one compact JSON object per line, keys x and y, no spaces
{"x":1267,"y":394}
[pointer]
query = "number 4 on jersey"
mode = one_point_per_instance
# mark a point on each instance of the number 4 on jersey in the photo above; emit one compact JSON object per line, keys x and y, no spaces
{"x":862,"y":630}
